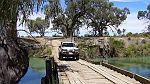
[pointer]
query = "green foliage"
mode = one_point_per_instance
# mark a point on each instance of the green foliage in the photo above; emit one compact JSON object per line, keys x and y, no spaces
{"x":66,"y":20}
{"x":102,"y":14}
{"x":37,"y":63}
{"x":143,"y":34}
{"x":145,"y":15}
{"x":131,"y":50}
{"x":88,"y":50}
{"x":38,"y":26}
{"x":116,"y":43}
{"x":40,"y":52}
{"x":129,"y":34}
{"x":130,"y":61}
{"x":116,"y":47}
{"x":10,"y":9}
{"x":99,"y":14}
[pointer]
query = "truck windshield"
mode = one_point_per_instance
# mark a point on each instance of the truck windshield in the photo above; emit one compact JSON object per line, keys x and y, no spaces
{"x":68,"y":45}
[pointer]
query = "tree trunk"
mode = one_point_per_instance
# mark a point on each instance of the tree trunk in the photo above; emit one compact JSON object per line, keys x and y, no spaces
{"x":100,"y":31}
{"x":14,"y":58}
{"x":69,"y":33}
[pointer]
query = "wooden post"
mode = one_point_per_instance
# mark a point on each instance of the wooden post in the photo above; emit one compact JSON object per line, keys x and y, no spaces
{"x":43,"y":80}
{"x":48,"y":67}
{"x":49,"y":71}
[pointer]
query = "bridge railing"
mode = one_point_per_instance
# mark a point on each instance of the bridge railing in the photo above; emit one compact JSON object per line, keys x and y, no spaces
{"x":139,"y":78}
{"x":51,"y":72}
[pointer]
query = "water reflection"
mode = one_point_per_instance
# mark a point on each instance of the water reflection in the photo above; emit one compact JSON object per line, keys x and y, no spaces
{"x":35,"y":72}
{"x":32,"y":77}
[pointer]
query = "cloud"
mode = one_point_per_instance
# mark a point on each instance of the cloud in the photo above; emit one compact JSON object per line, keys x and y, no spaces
{"x":132,"y":24}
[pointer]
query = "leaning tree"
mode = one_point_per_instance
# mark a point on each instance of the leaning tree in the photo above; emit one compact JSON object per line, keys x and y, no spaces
{"x":103,"y":14}
{"x":13,"y":57}
{"x":145,"y":15}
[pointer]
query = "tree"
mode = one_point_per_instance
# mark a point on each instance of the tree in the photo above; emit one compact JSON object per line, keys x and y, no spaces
{"x":103,"y":15}
{"x":145,"y":15}
{"x":66,"y":19}
{"x":38,"y":26}
{"x":123,"y":31}
{"x":129,"y":34}
{"x":13,"y":57}
{"x":119,"y":32}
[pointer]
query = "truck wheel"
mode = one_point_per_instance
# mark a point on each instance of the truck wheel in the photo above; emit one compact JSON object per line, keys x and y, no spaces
{"x":77,"y":57}
{"x":60,"y":57}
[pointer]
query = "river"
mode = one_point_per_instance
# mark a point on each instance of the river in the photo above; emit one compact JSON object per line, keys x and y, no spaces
{"x":37,"y":68}
{"x":35,"y":72}
{"x":142,"y":70}
{"x":137,"y":65}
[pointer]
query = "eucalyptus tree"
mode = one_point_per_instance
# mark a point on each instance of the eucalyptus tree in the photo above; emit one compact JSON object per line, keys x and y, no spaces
{"x":123,"y":31}
{"x":39,"y":26}
{"x":69,"y":18}
{"x":13,"y":57}
{"x":145,"y":15}
{"x":103,"y":15}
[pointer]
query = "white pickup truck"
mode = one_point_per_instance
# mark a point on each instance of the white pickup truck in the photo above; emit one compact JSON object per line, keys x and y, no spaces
{"x":68,"y":50}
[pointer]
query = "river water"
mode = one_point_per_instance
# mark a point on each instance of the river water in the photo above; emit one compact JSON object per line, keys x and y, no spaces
{"x":37,"y":70}
{"x":142,"y":70}
{"x":32,"y":77}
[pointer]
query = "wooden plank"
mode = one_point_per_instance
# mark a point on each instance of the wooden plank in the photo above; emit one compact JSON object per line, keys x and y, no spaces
{"x":118,"y":78}
{"x":106,"y":75}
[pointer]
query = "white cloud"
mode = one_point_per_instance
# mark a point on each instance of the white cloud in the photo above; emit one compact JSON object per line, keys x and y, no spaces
{"x":132,"y":24}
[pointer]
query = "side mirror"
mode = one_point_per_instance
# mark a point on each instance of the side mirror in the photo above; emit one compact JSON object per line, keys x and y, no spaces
{"x":77,"y":46}
{"x":59,"y":46}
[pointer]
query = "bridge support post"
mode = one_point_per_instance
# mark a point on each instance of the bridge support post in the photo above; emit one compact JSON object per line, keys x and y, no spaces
{"x":48,"y":78}
{"x":51,"y":72}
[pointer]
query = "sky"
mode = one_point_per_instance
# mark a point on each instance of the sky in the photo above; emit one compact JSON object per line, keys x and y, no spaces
{"x":131,"y":24}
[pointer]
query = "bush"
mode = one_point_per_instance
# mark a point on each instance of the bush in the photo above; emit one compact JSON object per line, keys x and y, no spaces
{"x":88,"y":50}
{"x":40,"y":52}
{"x":116,"y":47}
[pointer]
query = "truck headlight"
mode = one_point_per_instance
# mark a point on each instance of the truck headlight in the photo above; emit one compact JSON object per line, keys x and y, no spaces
{"x":63,"y":50}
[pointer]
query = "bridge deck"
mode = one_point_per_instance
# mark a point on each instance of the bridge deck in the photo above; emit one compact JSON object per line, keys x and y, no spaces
{"x":82,"y":72}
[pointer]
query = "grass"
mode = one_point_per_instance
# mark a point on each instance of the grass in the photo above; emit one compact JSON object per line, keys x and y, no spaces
{"x":37,"y":63}
{"x":126,"y":61}
{"x":40,"y":52}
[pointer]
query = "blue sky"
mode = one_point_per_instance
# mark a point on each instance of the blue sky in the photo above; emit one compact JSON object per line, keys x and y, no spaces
{"x":131,"y":24}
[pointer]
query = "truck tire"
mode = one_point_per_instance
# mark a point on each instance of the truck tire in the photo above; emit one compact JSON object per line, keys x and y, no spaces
{"x":77,"y":57}
{"x":60,"y":57}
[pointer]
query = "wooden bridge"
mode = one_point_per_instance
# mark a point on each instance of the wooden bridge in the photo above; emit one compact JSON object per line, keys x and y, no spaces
{"x":82,"y":72}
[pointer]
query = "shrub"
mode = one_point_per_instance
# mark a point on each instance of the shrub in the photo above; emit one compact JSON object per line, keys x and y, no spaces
{"x":143,"y":41}
{"x":116,"y":47}
{"x":40,"y":52}
{"x":88,"y":50}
